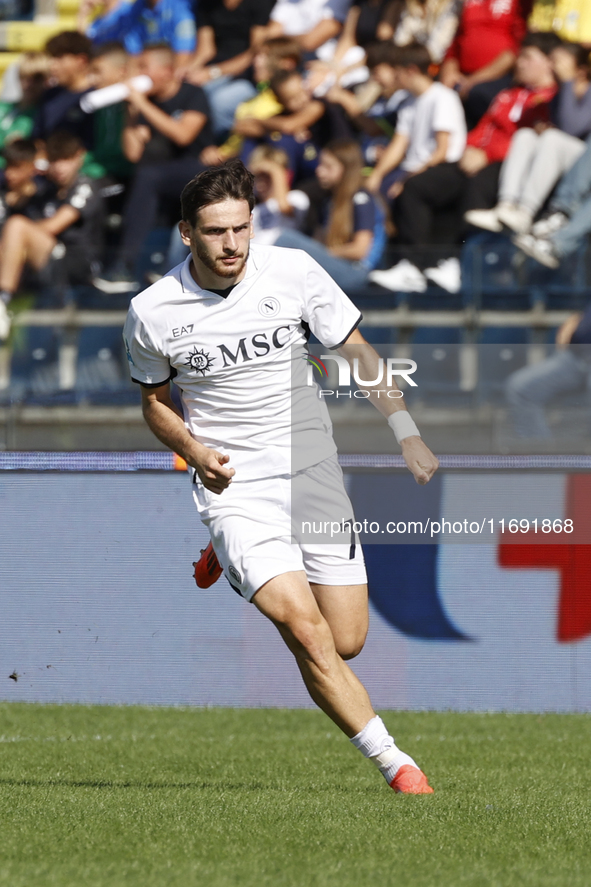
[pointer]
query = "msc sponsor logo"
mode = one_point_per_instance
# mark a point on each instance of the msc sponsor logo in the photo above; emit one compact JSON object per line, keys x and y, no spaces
{"x":257,"y":346}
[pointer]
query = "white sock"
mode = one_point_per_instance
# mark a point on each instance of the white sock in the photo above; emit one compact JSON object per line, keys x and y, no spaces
{"x":374,"y":742}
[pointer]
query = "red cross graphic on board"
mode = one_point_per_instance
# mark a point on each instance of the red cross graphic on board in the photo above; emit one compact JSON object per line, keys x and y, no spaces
{"x":572,"y":559}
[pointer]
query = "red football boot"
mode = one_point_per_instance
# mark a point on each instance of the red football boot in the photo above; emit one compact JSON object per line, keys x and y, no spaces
{"x":207,"y":568}
{"x":411,"y":781}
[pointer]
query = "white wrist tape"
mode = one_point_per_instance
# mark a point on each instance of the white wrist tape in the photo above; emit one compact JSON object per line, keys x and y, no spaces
{"x":402,"y":425}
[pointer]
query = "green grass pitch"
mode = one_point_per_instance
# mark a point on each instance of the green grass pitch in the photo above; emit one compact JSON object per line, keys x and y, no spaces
{"x":147,"y":797}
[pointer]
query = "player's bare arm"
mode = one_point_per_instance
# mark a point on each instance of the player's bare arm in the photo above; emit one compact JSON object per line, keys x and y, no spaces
{"x":166,"y":423}
{"x":420,"y":460}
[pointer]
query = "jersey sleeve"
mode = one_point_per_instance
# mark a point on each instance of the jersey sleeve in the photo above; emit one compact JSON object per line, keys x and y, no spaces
{"x":328,"y":311}
{"x":147,"y":364}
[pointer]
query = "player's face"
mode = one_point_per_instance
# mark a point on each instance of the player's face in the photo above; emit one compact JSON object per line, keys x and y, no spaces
{"x":220,"y":239}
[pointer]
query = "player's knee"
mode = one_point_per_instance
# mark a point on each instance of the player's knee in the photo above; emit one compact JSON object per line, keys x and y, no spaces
{"x":308,"y":638}
{"x":350,"y":651}
{"x":351,"y":646}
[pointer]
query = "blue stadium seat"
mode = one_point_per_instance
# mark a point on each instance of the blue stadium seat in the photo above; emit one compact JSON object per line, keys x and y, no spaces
{"x":101,"y":364}
{"x":34,"y":362}
{"x":501,"y":351}
{"x":436,"y":351}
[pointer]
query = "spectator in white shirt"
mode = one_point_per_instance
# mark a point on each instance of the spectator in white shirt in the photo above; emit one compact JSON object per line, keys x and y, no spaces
{"x":316,"y":23}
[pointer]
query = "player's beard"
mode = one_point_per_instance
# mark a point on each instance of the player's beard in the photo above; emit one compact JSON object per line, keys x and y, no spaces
{"x":215,"y":264}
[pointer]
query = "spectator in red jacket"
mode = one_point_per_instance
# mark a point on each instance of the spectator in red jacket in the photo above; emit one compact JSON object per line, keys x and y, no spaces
{"x":480,"y":61}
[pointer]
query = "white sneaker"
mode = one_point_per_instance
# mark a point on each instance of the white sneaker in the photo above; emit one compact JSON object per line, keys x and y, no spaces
{"x":447,"y":275}
{"x":539,"y":249}
{"x":550,"y":225}
{"x":484,"y":218}
{"x":401,"y":278}
{"x":517,"y":218}
{"x":4,"y":322}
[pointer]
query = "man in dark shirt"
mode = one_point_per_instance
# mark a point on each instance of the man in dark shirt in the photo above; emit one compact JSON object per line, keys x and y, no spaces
{"x":165,"y":134}
{"x":68,"y":225}
{"x":228,"y":31}
{"x":59,"y":108}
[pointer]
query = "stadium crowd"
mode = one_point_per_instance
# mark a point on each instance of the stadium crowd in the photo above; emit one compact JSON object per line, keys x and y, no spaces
{"x":366,"y":124}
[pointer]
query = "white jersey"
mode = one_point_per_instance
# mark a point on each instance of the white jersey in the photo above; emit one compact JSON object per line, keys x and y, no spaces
{"x":240,"y":361}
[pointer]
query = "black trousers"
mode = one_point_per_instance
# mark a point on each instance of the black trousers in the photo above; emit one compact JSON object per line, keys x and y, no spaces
{"x":153,"y":184}
{"x":442,"y":188}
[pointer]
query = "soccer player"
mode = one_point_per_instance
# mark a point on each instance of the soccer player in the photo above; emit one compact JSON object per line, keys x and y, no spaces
{"x":230,"y":326}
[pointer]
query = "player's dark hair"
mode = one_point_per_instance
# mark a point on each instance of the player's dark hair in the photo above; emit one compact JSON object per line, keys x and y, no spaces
{"x":19,"y":151}
{"x":68,"y":43}
{"x":415,"y":55}
{"x":113,"y":47}
{"x":231,"y":181}
{"x":382,"y":53}
{"x":545,"y":41}
{"x":62,"y":145}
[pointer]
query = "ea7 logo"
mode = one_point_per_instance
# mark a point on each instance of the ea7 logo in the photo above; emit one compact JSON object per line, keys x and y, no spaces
{"x":183,"y":330}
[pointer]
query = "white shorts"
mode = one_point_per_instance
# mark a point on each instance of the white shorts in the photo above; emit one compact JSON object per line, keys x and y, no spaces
{"x":252,"y":529}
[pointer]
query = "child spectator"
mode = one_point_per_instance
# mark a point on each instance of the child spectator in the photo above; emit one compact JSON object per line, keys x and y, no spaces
{"x":21,"y":183}
{"x":376,"y":118}
{"x":165,"y":134}
{"x":352,"y":221}
{"x":429,"y":131}
{"x":301,"y":129}
{"x":59,"y":108}
{"x":480,"y":61}
{"x":138,"y":23}
{"x":277,"y":208}
{"x":70,"y":225}
{"x":110,"y":65}
{"x":472,"y":183}
{"x":17,"y":118}
{"x":276,"y":54}
{"x":538,"y":159}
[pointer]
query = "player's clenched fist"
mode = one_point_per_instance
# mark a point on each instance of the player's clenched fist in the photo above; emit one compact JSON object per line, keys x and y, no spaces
{"x":419,"y":459}
{"x":212,"y":473}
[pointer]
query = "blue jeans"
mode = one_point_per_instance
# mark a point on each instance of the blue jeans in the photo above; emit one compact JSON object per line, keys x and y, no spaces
{"x":350,"y":276}
{"x":573,"y":198}
{"x":177,"y":251}
{"x":224,"y":95}
{"x":529,"y":390}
